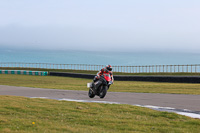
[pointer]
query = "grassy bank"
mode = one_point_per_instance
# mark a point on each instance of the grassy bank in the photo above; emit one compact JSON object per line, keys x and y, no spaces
{"x":20,"y":114}
{"x":67,"y":83}
{"x":95,"y":72}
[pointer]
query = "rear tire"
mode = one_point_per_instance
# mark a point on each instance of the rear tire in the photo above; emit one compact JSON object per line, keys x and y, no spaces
{"x":91,"y":93}
{"x":103,"y":92}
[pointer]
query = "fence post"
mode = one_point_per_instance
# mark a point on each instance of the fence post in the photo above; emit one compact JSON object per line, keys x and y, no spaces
{"x":163,"y":68}
{"x":142,"y":69}
{"x":174,"y":68}
{"x":166,"y":68}
{"x":146,"y":68}
{"x":195,"y":68}
{"x":149,"y":68}
{"x":152,"y":67}
{"x":182,"y":68}
{"x":132,"y":69}
{"x":178,"y":68}
{"x":191,"y":68}
{"x":135,"y":69}
{"x":139,"y":69}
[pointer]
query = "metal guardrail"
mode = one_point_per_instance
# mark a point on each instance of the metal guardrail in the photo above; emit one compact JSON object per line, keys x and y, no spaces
{"x":192,"y":68}
{"x":150,"y":78}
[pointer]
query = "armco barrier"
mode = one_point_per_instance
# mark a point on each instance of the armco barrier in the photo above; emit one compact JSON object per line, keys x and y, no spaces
{"x":75,"y":75}
{"x":173,"y":79}
{"x":24,"y":72}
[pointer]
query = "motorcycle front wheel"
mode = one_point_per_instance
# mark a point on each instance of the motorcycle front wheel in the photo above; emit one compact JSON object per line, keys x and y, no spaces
{"x":91,"y":93}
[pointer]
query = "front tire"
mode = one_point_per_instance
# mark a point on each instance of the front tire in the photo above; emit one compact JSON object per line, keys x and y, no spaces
{"x":103,"y":92}
{"x":91,"y":93}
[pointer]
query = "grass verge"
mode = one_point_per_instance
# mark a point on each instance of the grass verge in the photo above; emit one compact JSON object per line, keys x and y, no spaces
{"x":19,"y":114}
{"x":67,"y":83}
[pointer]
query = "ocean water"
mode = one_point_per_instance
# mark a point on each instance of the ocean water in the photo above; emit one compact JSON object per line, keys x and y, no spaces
{"x":98,"y":58}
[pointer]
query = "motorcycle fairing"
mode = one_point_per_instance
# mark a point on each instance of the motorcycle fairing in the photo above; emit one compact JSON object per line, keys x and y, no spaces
{"x":107,"y":77}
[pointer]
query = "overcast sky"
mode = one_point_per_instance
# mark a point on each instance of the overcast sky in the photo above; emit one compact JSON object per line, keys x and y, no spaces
{"x":127,"y":25}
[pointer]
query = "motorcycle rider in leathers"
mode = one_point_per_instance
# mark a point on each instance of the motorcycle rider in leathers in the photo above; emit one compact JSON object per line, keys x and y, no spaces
{"x":107,"y":69}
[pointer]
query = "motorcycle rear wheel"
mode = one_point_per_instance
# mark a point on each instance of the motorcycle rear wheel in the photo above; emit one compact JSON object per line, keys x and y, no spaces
{"x":91,"y":93}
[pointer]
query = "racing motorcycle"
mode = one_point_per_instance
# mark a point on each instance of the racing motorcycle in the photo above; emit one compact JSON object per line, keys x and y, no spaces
{"x":103,"y":85}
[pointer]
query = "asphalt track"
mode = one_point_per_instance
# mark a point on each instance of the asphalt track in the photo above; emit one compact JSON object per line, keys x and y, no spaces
{"x":165,"y":102}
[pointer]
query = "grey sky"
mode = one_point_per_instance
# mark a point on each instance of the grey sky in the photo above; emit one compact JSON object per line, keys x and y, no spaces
{"x":128,"y":25}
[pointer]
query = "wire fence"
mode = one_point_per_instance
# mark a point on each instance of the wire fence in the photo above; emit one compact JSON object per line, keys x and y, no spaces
{"x":192,"y":68}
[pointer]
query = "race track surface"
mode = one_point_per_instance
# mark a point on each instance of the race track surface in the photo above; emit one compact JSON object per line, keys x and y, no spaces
{"x":177,"y":101}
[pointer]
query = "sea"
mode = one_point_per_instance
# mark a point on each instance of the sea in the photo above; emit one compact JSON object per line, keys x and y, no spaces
{"x":99,"y":57}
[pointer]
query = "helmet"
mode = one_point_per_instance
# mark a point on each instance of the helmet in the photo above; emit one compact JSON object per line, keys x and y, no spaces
{"x":109,"y":67}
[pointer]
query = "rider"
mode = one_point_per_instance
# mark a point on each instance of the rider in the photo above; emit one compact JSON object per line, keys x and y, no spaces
{"x":107,"y":69}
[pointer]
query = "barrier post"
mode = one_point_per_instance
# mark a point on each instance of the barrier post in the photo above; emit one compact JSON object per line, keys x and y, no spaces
{"x":182,"y":68}
{"x":174,"y":68}
{"x":191,"y":68}
{"x":178,"y":68}
{"x":149,"y":68}
{"x":139,"y":69}
{"x":195,"y":68}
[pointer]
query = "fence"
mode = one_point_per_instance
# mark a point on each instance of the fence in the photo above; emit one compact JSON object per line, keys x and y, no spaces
{"x":192,"y":68}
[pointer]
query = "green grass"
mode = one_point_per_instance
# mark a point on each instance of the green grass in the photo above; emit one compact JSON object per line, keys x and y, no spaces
{"x":67,"y":83}
{"x":19,"y":114}
{"x":95,"y":72}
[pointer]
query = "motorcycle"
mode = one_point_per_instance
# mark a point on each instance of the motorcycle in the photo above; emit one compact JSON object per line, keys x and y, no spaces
{"x":103,"y":85}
